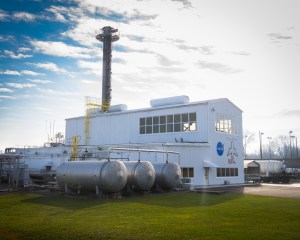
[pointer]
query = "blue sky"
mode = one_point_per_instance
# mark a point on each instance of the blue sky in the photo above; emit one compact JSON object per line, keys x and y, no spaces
{"x":247,"y":51}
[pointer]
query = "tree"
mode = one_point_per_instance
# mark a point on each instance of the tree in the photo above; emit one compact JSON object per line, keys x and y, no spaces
{"x":249,"y":137}
{"x":281,"y":146}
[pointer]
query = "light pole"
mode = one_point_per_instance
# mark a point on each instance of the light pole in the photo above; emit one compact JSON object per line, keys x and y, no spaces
{"x":245,"y":146}
{"x":291,"y":142}
{"x":260,"y":143}
{"x":296,"y":148}
{"x":293,"y":146}
{"x":269,"y":146}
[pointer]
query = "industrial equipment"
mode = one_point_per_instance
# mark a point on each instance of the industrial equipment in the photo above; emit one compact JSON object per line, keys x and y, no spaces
{"x":106,"y":176}
{"x":141,"y":175}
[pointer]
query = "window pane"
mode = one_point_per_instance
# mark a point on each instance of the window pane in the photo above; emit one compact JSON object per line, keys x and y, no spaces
{"x":223,"y":172}
{"x":191,"y":172}
{"x":184,"y":172}
{"x":186,"y":127}
{"x":236,"y":172}
{"x":177,"y":127}
{"x":177,"y":118}
{"x":162,"y":119}
{"x":162,"y":128}
{"x":232,"y":170}
{"x":227,"y":172}
{"x":170,"y":119}
{"x":193,"y":127}
{"x":142,"y":121}
{"x":155,"y":120}
{"x":148,"y":129}
{"x":156,"y":129}
{"x":142,"y":130}
{"x":219,"y":172}
{"x":192,"y":117}
{"x":185,"y":117}
{"x":170,"y":128}
{"x":149,"y":120}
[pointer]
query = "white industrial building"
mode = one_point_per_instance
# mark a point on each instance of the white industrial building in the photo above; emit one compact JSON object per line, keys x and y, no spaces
{"x":207,"y":134}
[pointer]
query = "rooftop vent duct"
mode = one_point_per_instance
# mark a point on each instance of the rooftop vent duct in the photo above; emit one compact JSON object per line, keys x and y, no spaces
{"x":170,"y":101}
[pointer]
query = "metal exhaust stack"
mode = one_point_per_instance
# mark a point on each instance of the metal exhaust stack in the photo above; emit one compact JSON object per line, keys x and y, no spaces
{"x":107,"y":36}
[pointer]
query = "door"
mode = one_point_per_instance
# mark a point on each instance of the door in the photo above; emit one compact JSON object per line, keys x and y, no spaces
{"x":206,"y":175}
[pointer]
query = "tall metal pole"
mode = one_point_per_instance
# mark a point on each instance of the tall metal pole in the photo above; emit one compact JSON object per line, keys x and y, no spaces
{"x":291,"y":142}
{"x":260,"y":144}
{"x":107,"y":36}
{"x":296,"y":148}
{"x":269,"y":145}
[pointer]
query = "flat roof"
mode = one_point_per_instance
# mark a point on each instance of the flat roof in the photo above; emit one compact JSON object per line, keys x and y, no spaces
{"x":157,"y":108}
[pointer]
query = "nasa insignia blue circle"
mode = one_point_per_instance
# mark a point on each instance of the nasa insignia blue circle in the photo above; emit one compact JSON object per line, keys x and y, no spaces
{"x":220,"y":148}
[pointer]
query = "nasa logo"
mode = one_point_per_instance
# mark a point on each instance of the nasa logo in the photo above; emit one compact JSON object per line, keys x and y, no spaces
{"x":220,"y":148}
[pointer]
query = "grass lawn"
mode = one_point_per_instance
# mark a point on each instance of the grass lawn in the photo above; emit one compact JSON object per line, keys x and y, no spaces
{"x":155,"y":216}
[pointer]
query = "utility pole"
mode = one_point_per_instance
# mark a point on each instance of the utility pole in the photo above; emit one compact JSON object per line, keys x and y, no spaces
{"x":260,"y":143}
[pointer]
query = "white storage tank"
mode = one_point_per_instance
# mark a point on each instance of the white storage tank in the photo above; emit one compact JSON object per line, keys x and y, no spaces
{"x":141,"y":175}
{"x":167,"y":175}
{"x":108,"y":176}
{"x":271,"y":167}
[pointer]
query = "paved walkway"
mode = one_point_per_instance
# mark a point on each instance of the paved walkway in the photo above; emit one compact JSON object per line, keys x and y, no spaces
{"x":275,"y":190}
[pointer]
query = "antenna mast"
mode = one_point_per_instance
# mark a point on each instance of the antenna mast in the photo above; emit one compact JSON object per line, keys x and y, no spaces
{"x":107,"y":36}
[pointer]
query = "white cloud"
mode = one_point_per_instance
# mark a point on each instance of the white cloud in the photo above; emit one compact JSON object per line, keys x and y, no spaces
{"x":53,"y":92}
{"x":39,"y":81}
{"x":23,"y":72}
{"x":6,"y":90}
{"x":21,"y":85}
{"x":92,"y":67}
{"x":16,"y":56}
{"x":61,"y":49}
{"x":24,"y":49}
{"x":27,"y":72}
{"x":7,"y":97}
{"x":9,"y":72}
{"x":50,"y":66}
{"x":57,"y":11}
{"x":3,"y":15}
{"x":24,"y":16}
{"x":7,"y":38}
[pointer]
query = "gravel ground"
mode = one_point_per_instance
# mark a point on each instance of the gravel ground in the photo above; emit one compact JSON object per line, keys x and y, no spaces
{"x":276,"y":190}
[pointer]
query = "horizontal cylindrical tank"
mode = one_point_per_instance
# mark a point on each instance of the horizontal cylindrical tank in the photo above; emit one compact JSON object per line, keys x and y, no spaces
{"x":117,"y":108}
{"x":271,"y":167}
{"x":109,"y":176}
{"x":141,"y":175}
{"x":167,"y":175}
{"x":177,"y":100}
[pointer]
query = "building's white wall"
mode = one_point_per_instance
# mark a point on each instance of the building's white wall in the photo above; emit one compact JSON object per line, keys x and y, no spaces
{"x":225,"y":138}
{"x":123,"y":128}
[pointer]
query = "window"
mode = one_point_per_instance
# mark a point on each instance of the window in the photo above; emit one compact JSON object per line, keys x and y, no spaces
{"x":227,"y":172}
{"x":169,"y":123}
{"x":187,"y":172}
{"x":225,"y":123}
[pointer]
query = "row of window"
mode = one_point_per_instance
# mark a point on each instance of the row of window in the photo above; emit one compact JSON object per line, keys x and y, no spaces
{"x":185,"y":122}
{"x":221,"y":172}
{"x":225,"y":123}
{"x":169,"y":123}
{"x":187,"y":172}
{"x":227,"y":172}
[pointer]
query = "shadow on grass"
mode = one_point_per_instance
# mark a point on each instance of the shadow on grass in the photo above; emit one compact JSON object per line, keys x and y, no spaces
{"x":184,"y":199}
{"x":70,"y":202}
{"x":169,"y":199}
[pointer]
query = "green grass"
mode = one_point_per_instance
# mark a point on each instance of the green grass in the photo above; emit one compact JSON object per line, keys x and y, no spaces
{"x":156,"y":216}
